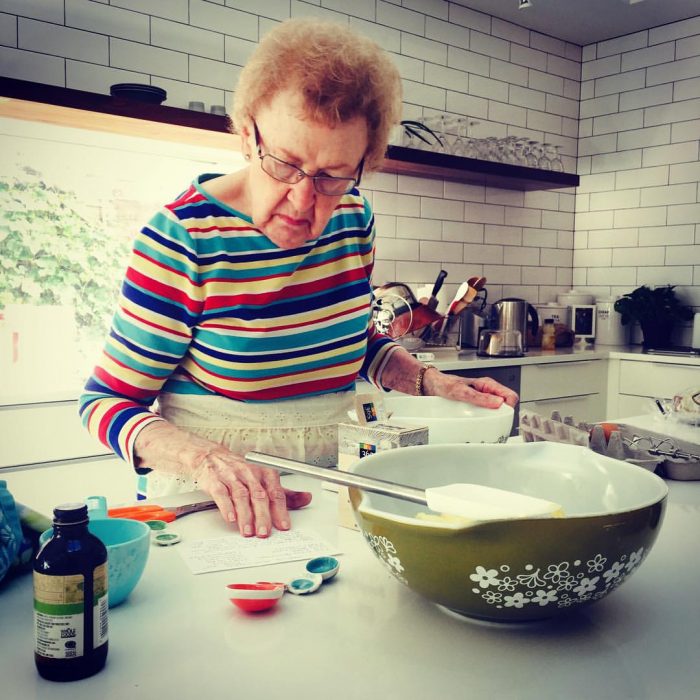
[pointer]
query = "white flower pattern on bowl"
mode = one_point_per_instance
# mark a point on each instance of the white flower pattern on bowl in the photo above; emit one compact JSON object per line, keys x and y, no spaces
{"x":386,"y":552}
{"x":562,"y":584}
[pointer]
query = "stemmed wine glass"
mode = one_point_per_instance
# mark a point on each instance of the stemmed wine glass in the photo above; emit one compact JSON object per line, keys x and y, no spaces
{"x":532,"y":154}
{"x":555,"y":162}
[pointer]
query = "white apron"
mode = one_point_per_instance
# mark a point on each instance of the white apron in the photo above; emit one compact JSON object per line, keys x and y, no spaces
{"x":304,"y":429}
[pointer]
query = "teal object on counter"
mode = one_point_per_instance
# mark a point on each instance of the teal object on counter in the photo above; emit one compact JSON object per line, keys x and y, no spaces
{"x":10,"y":531}
{"x":128,"y":546}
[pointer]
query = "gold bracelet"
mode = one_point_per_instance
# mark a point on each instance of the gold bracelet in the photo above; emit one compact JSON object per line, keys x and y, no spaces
{"x":419,"y":379}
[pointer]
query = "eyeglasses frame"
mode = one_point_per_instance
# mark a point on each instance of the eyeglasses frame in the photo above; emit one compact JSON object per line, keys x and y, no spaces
{"x":301,"y":173}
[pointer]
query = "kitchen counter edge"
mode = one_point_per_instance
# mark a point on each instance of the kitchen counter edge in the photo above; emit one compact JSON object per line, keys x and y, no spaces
{"x":448,"y":359}
{"x":453,"y":359}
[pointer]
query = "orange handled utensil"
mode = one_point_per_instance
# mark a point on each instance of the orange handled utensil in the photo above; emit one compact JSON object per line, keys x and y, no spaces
{"x":142,"y":513}
{"x":156,"y":512}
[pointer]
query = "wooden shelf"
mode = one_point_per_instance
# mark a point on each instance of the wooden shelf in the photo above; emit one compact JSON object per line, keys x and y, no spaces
{"x":22,"y":99}
{"x":106,"y":104}
{"x":412,"y":161}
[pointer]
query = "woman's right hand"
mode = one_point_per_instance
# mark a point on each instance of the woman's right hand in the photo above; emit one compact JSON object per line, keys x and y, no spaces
{"x":244,"y":493}
{"x":247,"y":494}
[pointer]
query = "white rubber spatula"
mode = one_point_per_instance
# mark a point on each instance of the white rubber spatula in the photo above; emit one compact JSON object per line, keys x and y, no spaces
{"x":465,"y":500}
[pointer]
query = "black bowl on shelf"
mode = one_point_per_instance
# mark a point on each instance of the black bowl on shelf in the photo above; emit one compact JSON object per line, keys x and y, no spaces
{"x":136,"y":91}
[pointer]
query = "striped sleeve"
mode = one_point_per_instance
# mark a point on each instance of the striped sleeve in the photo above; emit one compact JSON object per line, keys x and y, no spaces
{"x":379,"y":351}
{"x":150,"y":333}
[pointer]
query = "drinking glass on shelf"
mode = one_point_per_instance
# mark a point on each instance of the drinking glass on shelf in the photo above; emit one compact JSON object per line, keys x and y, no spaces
{"x":555,"y":162}
{"x":532,"y":154}
{"x":507,"y":149}
{"x":415,"y":137}
{"x":544,"y":161}
{"x":411,"y":140}
{"x":491,"y":148}
{"x":449,"y":133}
{"x":470,"y":144}
{"x":520,"y":150}
{"x":436,"y":122}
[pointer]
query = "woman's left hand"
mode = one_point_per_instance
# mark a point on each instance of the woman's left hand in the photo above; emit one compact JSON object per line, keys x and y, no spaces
{"x":481,"y":391}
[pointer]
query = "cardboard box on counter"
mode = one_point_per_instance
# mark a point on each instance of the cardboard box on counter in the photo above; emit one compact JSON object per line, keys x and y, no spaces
{"x":356,"y":441}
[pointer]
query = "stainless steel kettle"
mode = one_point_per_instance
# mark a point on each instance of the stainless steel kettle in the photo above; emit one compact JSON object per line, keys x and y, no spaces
{"x":512,"y":314}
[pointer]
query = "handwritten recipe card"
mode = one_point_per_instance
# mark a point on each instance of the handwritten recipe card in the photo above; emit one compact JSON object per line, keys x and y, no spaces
{"x":236,"y":552}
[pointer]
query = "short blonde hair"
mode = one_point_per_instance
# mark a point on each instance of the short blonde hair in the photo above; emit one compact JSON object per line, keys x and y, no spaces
{"x":339,"y":74}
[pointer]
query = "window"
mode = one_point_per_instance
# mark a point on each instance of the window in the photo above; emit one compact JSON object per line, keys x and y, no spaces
{"x":71,"y":200}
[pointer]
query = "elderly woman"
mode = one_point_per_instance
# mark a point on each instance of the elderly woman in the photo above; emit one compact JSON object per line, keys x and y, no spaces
{"x":245,"y":310}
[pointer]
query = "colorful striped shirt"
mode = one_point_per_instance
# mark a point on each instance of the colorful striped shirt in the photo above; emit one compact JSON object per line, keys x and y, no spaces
{"x":209,"y":305}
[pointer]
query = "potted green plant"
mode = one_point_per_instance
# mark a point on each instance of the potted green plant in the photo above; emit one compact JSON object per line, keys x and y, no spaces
{"x":656,"y":310}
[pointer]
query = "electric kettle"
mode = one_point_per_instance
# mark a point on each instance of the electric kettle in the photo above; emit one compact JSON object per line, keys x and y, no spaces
{"x":512,"y":314}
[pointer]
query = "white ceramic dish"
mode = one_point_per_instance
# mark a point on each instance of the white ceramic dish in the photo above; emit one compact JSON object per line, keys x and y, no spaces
{"x":449,"y":421}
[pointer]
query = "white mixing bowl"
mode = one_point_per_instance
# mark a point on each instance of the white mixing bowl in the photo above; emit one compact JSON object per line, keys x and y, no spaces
{"x":449,"y":421}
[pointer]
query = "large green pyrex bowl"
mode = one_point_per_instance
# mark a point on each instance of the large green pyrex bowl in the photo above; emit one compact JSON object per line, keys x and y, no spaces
{"x":516,"y":570}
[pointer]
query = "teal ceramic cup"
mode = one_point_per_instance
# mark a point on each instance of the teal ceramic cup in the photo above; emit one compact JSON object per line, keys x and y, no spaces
{"x":128,"y":545}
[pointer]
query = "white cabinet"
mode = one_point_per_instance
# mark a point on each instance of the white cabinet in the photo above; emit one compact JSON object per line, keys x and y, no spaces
{"x":633,"y":384}
{"x":656,"y":379}
{"x":44,"y":432}
{"x":574,"y":389}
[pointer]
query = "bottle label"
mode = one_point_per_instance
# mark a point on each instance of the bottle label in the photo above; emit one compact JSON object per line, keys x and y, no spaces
{"x":58,"y":614}
{"x":100,"y":613}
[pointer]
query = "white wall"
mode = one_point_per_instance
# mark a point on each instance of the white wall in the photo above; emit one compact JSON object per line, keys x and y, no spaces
{"x":453,"y":59}
{"x":638,"y":205}
{"x":636,"y":209}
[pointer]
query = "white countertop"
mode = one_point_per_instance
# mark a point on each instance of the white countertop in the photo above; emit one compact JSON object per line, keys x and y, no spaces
{"x":364,"y":635}
{"x":453,"y":359}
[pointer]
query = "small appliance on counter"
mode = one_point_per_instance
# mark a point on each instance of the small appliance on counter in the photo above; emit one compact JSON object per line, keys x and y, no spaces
{"x":581,"y":316}
{"x":500,"y":343}
{"x":582,"y":319}
{"x":513,"y":314}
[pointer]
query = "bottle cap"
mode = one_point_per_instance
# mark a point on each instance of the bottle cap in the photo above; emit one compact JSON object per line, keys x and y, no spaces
{"x":70,"y":514}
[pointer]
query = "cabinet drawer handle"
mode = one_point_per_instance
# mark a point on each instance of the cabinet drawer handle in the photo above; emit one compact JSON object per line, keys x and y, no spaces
{"x":560,"y":398}
{"x":545,"y":365}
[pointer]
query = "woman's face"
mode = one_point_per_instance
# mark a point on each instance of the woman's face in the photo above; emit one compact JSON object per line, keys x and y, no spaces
{"x":292,"y":214}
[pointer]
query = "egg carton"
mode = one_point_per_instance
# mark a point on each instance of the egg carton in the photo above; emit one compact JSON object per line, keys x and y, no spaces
{"x":623,"y":444}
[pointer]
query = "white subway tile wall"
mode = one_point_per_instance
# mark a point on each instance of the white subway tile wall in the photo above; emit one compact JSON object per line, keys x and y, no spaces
{"x":637,"y":209}
{"x":8,"y":29}
{"x":626,"y":113}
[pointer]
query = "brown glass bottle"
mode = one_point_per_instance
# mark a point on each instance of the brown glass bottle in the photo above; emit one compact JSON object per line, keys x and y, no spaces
{"x":70,"y":599}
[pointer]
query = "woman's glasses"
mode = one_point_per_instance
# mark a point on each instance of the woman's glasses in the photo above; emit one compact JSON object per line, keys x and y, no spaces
{"x":286,"y":172}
